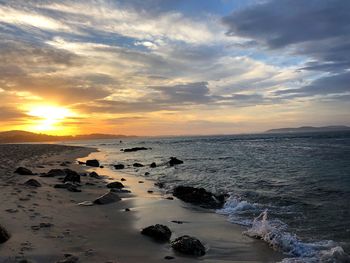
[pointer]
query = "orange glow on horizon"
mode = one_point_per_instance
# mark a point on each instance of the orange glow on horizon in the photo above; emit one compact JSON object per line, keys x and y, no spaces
{"x":49,"y":119}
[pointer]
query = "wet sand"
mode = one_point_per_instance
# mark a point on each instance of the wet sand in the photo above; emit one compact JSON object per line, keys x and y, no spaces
{"x":105,"y":233}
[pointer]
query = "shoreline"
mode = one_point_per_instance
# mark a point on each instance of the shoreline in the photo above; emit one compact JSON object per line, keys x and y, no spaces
{"x":107,"y":233}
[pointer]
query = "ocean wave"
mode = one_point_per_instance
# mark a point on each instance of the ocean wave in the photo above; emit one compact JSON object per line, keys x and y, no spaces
{"x":274,"y":233}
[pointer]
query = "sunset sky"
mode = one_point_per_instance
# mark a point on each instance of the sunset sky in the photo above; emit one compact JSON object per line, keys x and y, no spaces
{"x":171,"y":67}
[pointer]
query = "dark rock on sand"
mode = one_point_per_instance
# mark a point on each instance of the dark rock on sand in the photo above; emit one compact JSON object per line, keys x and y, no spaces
{"x":188,"y":245}
{"x":4,"y":235}
{"x":94,"y":163}
{"x":147,"y":173}
{"x":107,"y":198}
{"x":23,"y":171}
{"x":79,"y":162}
{"x":94,"y":175}
{"x":71,"y":176}
{"x":119,"y":166}
{"x":153,"y":165}
{"x":174,"y":161}
{"x":32,"y":183}
{"x":199,"y":196}
{"x":118,"y":185}
{"x":150,"y":191}
{"x":123,"y":179}
{"x":135,"y":149}
{"x":168,"y":257}
{"x":73,"y":188}
{"x":157,"y":232}
{"x":159,"y":184}
{"x":68,"y":258}
{"x":54,"y":173}
{"x":138,"y":165}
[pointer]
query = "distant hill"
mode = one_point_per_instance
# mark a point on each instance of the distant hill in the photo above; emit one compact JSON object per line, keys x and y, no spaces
{"x":24,"y":136}
{"x":309,"y":129}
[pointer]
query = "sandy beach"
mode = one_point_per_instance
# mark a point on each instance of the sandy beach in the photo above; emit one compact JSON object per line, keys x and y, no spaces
{"x":46,"y":223}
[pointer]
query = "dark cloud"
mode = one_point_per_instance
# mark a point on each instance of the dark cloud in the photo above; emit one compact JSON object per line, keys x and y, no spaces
{"x":335,"y":84}
{"x":317,"y":29}
{"x":11,"y":114}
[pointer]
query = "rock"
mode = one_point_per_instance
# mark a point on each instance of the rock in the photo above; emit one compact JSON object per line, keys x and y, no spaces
{"x":141,"y":182}
{"x":188,"y":245}
{"x":94,"y":175}
{"x":198,"y":196}
{"x":138,"y":165}
{"x":118,"y":185}
{"x":86,"y":203}
{"x":153,"y":165}
{"x":107,"y":198}
{"x":177,"y":222}
{"x":157,"y":232}
{"x":159,"y":184}
{"x":71,"y":176}
{"x":174,"y":161}
{"x":54,"y":172}
{"x":150,"y":191}
{"x":146,"y":173}
{"x":68,"y":259}
{"x":127,"y":209}
{"x":4,"y":235}
{"x":101,"y":166}
{"x":169,"y":198}
{"x":123,"y":179}
{"x":93,"y":163}
{"x":23,"y":171}
{"x":73,"y":188}
{"x":135,"y":149}
{"x":120,"y":191}
{"x":32,"y":183}
{"x":79,"y":162}
{"x":168,"y":257}
{"x":119,"y":166}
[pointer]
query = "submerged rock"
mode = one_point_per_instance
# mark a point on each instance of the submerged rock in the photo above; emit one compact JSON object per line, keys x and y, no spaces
{"x":23,"y":171}
{"x":93,"y":163}
{"x":32,"y":183}
{"x":119,"y":166}
{"x":118,"y":185}
{"x":135,"y":149}
{"x":174,"y":161}
{"x":188,"y":245}
{"x":157,"y":232}
{"x":4,"y":235}
{"x":107,"y":198}
{"x":199,"y":196}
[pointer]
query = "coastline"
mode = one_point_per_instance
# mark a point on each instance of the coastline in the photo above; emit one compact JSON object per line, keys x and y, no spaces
{"x":108,"y":233}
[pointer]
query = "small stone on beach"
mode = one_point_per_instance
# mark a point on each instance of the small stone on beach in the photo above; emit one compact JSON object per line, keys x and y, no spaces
{"x":32,"y":183}
{"x":23,"y":171}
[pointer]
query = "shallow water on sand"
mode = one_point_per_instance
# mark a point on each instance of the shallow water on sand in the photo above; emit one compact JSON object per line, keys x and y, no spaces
{"x":299,"y":184}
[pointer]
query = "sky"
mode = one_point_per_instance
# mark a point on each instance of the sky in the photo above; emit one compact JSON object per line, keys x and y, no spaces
{"x":173,"y":67}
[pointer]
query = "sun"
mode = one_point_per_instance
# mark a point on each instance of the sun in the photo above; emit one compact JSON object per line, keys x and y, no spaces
{"x":49,"y":119}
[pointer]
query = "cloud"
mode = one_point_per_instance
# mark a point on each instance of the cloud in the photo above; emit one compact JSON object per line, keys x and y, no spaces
{"x":316,"y":29}
{"x":8,"y":113}
{"x":334,"y":84}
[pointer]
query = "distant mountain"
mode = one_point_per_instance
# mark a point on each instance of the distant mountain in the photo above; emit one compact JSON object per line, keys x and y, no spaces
{"x":24,"y":136}
{"x":310,"y":129}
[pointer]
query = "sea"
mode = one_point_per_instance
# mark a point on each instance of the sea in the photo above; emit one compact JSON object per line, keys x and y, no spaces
{"x":289,"y":190}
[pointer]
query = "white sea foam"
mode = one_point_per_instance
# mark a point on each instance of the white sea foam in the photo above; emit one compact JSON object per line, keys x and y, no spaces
{"x":298,"y":251}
